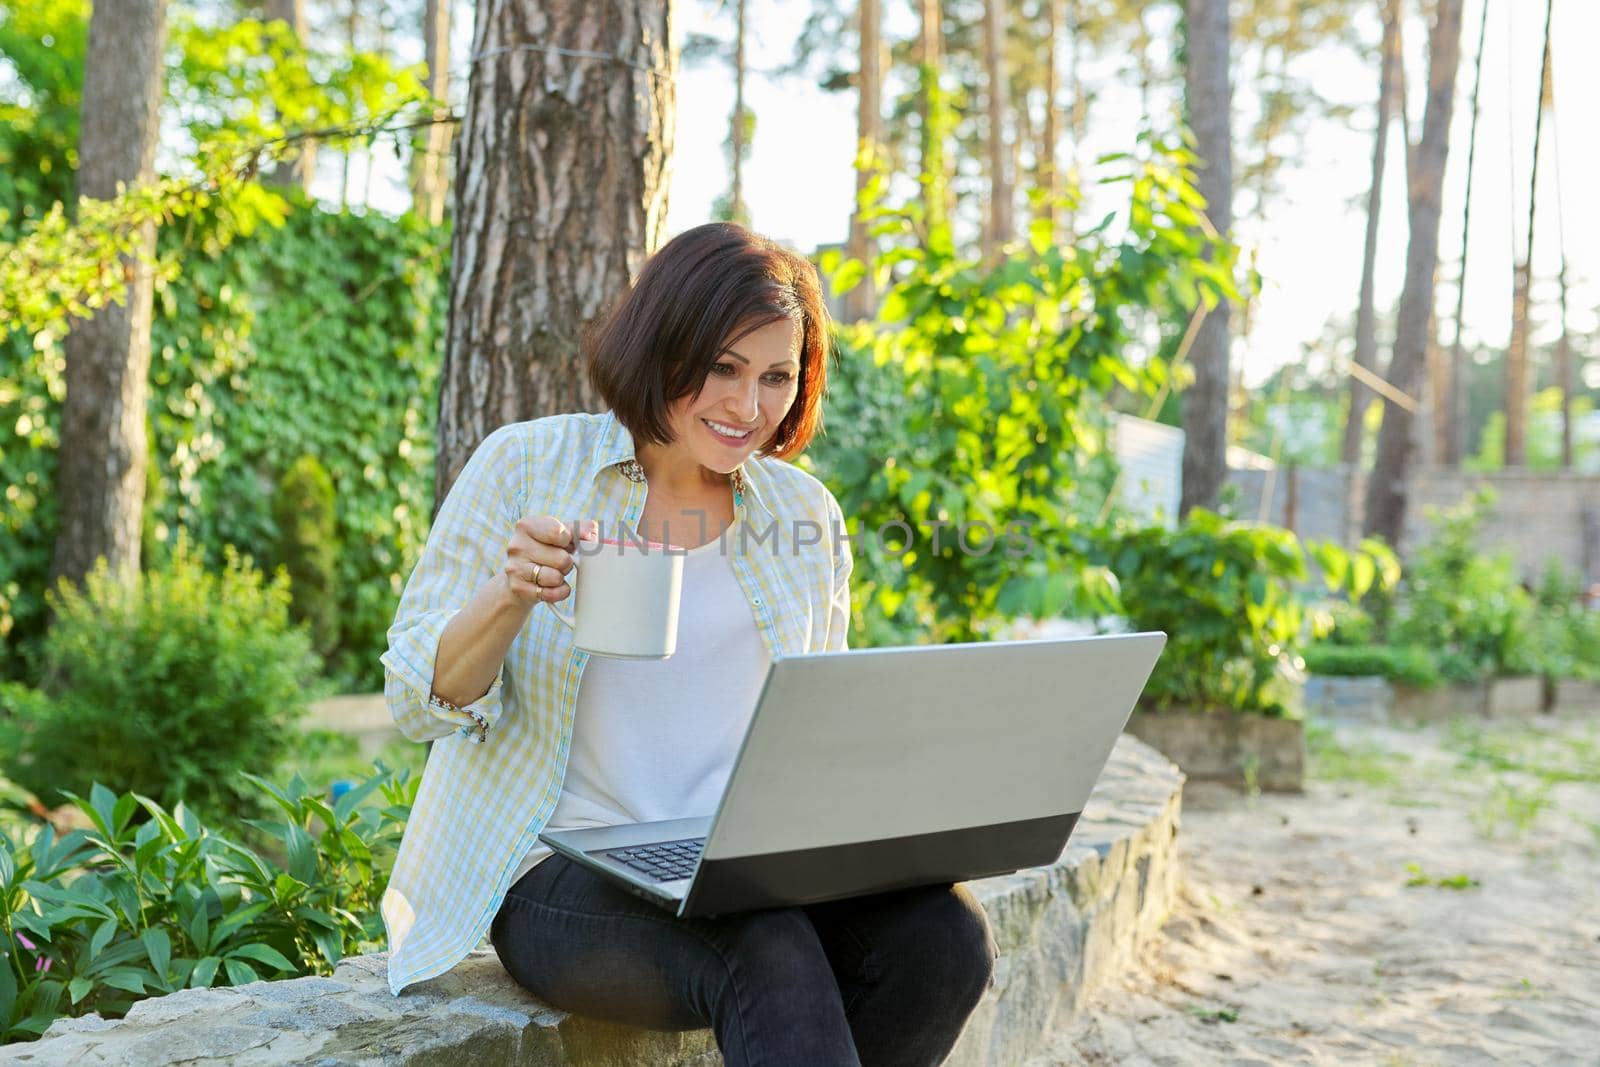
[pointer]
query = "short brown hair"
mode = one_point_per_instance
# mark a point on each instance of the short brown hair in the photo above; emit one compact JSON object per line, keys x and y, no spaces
{"x":658,"y":342}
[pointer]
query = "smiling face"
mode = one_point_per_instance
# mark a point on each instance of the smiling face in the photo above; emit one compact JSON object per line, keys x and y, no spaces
{"x":746,"y":395}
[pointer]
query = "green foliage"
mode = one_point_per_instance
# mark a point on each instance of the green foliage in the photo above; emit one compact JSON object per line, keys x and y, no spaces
{"x":980,"y":398}
{"x":150,"y":901}
{"x":171,"y":684}
{"x":1465,"y":604}
{"x":250,"y":345}
{"x":302,"y":509}
{"x":1543,"y":441}
{"x":1413,"y":666}
{"x":44,"y":42}
{"x":1223,"y":591}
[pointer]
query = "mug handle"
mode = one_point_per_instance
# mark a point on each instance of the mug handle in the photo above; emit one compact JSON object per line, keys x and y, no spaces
{"x":561,"y":608}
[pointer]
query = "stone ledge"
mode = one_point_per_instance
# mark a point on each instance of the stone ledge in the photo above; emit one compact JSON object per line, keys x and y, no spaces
{"x":1063,"y":931}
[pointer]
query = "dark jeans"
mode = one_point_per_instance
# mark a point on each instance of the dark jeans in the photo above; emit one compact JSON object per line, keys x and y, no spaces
{"x":883,"y":979}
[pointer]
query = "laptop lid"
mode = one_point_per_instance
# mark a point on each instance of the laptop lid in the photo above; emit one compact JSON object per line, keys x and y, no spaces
{"x":872,"y":769}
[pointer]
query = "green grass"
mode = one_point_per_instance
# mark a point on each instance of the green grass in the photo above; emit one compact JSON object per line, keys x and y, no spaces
{"x":1510,"y":804}
{"x":1369,"y":763}
{"x":1420,"y":878}
{"x":1213,"y":1015}
{"x":327,"y":756}
{"x":1540,"y":753}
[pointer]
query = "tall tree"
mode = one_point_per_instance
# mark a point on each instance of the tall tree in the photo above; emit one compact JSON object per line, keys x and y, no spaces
{"x":1366,"y":354}
{"x":1386,"y":492}
{"x":1210,"y":103}
{"x":1564,"y":368}
{"x":701,"y":47}
{"x":300,"y":165}
{"x":1517,"y":375}
{"x":550,"y":225}
{"x":1453,"y":409}
{"x":860,"y":301}
{"x":430,"y":179}
{"x":103,"y":445}
{"x":931,"y":153}
{"x":997,"y":96}
{"x":1050,"y":135}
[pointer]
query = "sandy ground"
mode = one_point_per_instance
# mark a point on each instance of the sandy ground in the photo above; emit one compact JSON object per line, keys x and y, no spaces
{"x":1299,"y":940}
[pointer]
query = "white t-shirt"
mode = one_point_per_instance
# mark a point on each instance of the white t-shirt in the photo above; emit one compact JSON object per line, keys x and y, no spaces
{"x":656,"y":739}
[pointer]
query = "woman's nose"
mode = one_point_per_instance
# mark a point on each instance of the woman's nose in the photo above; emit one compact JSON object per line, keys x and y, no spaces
{"x":747,"y":401}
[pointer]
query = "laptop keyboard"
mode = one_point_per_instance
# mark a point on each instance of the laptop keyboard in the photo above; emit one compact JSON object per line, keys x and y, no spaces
{"x":665,"y":861}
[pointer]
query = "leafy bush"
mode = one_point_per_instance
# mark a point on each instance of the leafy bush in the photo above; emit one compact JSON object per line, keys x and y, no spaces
{"x":321,"y":336}
{"x":302,"y":509}
{"x":1352,"y":625}
{"x":170,"y":685}
{"x":150,"y":901}
{"x":1465,"y":604}
{"x":1223,"y":591}
{"x":1565,"y":632}
{"x":980,"y":398}
{"x":1413,"y":666}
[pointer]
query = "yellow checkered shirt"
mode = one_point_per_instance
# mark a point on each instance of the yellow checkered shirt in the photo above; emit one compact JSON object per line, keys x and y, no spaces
{"x":481,"y":804}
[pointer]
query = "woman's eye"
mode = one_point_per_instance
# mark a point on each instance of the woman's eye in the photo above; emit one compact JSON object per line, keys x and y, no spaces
{"x":778,"y":377}
{"x":723,"y":369}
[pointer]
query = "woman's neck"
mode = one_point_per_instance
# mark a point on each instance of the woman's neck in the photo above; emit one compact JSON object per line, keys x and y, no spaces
{"x":677,"y":475}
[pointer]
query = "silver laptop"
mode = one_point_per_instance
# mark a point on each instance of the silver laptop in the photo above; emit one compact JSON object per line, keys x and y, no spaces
{"x":879,"y":769}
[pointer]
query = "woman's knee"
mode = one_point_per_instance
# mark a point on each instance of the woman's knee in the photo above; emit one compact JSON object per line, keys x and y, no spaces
{"x":952,"y":934}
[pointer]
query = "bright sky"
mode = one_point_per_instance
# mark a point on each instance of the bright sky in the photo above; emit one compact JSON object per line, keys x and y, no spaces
{"x":800,"y":186}
{"x":1310,"y":245}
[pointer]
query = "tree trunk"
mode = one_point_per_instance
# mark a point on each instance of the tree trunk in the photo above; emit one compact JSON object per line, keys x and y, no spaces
{"x":1051,"y":136}
{"x":299,"y":166}
{"x":1210,"y":103}
{"x":560,"y":194}
{"x":861,"y":301}
{"x":1386,"y":493}
{"x":936,"y":181}
{"x":1454,"y":438}
{"x":1366,"y":355}
{"x":736,"y":206}
{"x":430,"y":183}
{"x":998,"y":231}
{"x":1079,"y":119}
{"x":1517,"y":371}
{"x":100,"y":480}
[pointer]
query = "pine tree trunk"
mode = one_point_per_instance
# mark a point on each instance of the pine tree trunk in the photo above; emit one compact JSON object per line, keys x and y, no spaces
{"x":300,"y":165}
{"x":861,"y":301}
{"x":998,"y":231}
{"x":1366,"y":354}
{"x":1386,"y":492}
{"x":931,"y":160}
{"x":1518,"y":375}
{"x":1051,"y":137}
{"x":560,"y":194}
{"x":1210,"y":103}
{"x":736,"y":207}
{"x":1454,"y":438}
{"x":101,"y":476}
{"x":431,"y":176}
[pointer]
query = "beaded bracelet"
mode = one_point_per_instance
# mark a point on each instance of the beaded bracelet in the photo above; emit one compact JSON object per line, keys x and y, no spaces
{"x":478,"y":731}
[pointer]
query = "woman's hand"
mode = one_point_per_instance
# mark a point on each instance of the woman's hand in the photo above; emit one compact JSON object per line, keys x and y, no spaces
{"x":539,"y":558}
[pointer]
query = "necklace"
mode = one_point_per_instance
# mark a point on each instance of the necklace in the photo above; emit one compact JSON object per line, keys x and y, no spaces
{"x":633,"y":470}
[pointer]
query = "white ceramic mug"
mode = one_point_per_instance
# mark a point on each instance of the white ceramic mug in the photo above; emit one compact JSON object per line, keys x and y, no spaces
{"x":625,"y":599}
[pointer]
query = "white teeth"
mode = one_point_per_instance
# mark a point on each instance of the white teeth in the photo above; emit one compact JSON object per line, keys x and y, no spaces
{"x":726,"y":431}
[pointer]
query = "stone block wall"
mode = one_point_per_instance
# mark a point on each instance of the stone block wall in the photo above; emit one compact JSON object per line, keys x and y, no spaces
{"x":1064,"y":931}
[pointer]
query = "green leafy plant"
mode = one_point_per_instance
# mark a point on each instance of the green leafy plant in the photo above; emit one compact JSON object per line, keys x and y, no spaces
{"x":302,"y":509}
{"x":149,"y":901}
{"x":1412,"y":666}
{"x":170,"y":684}
{"x":1224,"y":592}
{"x":975,"y":410}
{"x":1465,"y":605}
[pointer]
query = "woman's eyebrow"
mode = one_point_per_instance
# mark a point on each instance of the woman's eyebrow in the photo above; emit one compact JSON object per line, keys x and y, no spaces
{"x":746,"y":362}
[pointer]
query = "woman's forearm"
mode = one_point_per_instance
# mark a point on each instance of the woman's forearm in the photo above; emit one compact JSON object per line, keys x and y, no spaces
{"x":474,"y":643}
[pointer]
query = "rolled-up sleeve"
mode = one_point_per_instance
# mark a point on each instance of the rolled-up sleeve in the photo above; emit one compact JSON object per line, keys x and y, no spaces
{"x":843,"y":564}
{"x":463,"y":550}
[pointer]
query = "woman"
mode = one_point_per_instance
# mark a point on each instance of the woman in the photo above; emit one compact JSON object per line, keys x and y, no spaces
{"x":713,"y":365}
